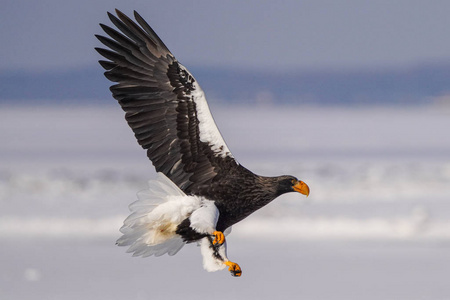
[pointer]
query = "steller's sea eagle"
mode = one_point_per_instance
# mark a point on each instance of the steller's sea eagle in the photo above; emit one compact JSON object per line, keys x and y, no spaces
{"x":200,"y":190}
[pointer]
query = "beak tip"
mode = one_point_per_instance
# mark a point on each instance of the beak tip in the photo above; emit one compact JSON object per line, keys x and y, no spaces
{"x":302,"y":188}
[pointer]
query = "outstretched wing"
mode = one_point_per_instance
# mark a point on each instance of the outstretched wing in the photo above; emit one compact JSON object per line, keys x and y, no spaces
{"x":164,"y":105}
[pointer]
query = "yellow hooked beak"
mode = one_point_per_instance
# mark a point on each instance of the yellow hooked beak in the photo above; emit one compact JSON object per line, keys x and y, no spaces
{"x":302,"y":188}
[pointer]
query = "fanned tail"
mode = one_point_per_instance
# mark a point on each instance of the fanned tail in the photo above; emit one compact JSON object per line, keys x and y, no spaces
{"x":150,"y":228}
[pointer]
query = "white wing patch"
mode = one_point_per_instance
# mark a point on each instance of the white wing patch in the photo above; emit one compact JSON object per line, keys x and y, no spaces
{"x":209,"y":133}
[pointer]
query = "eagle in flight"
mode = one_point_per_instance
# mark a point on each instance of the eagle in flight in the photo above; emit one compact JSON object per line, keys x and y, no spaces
{"x":200,"y":190}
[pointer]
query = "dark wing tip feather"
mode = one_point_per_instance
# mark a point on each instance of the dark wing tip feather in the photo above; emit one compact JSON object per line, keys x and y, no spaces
{"x":131,"y":25}
{"x":111,"y":55}
{"x":107,"y":65}
{"x":150,"y":31}
{"x":125,"y":28}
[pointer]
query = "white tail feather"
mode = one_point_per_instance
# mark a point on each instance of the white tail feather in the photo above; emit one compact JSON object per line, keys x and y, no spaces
{"x":150,"y":228}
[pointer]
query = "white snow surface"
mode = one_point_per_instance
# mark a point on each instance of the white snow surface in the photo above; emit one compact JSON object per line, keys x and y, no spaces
{"x":375,"y":226}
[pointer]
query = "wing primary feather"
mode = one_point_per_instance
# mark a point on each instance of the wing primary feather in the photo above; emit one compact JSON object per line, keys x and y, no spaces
{"x":132,"y":26}
{"x":111,"y":55}
{"x":120,"y":38}
{"x":107,"y":65}
{"x":137,"y":31}
{"x":151,"y":32}
{"x":120,"y":60}
{"x":125,"y":29}
{"x":124,"y":46}
{"x":127,"y":76}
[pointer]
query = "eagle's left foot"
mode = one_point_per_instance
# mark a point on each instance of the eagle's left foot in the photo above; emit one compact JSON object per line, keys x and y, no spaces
{"x":234,"y":268}
{"x":219,"y":238}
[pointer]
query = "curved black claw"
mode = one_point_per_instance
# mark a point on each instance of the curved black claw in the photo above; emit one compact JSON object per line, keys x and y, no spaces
{"x":236,"y":273}
{"x":234,"y":269}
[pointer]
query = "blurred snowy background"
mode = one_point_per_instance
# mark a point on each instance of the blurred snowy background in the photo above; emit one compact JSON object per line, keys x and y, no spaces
{"x":351,"y":98}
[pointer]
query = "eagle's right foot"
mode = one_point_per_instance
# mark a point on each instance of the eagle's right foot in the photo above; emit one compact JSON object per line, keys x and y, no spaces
{"x":234,"y":268}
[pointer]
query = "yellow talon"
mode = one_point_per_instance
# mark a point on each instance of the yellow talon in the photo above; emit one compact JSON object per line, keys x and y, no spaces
{"x":219,"y":238}
{"x":234,"y":268}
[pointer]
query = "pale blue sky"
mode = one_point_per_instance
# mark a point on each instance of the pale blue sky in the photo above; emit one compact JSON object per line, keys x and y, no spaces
{"x":56,"y":34}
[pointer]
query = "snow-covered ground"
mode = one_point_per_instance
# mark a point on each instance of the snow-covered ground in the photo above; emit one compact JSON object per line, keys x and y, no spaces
{"x":376,"y":225}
